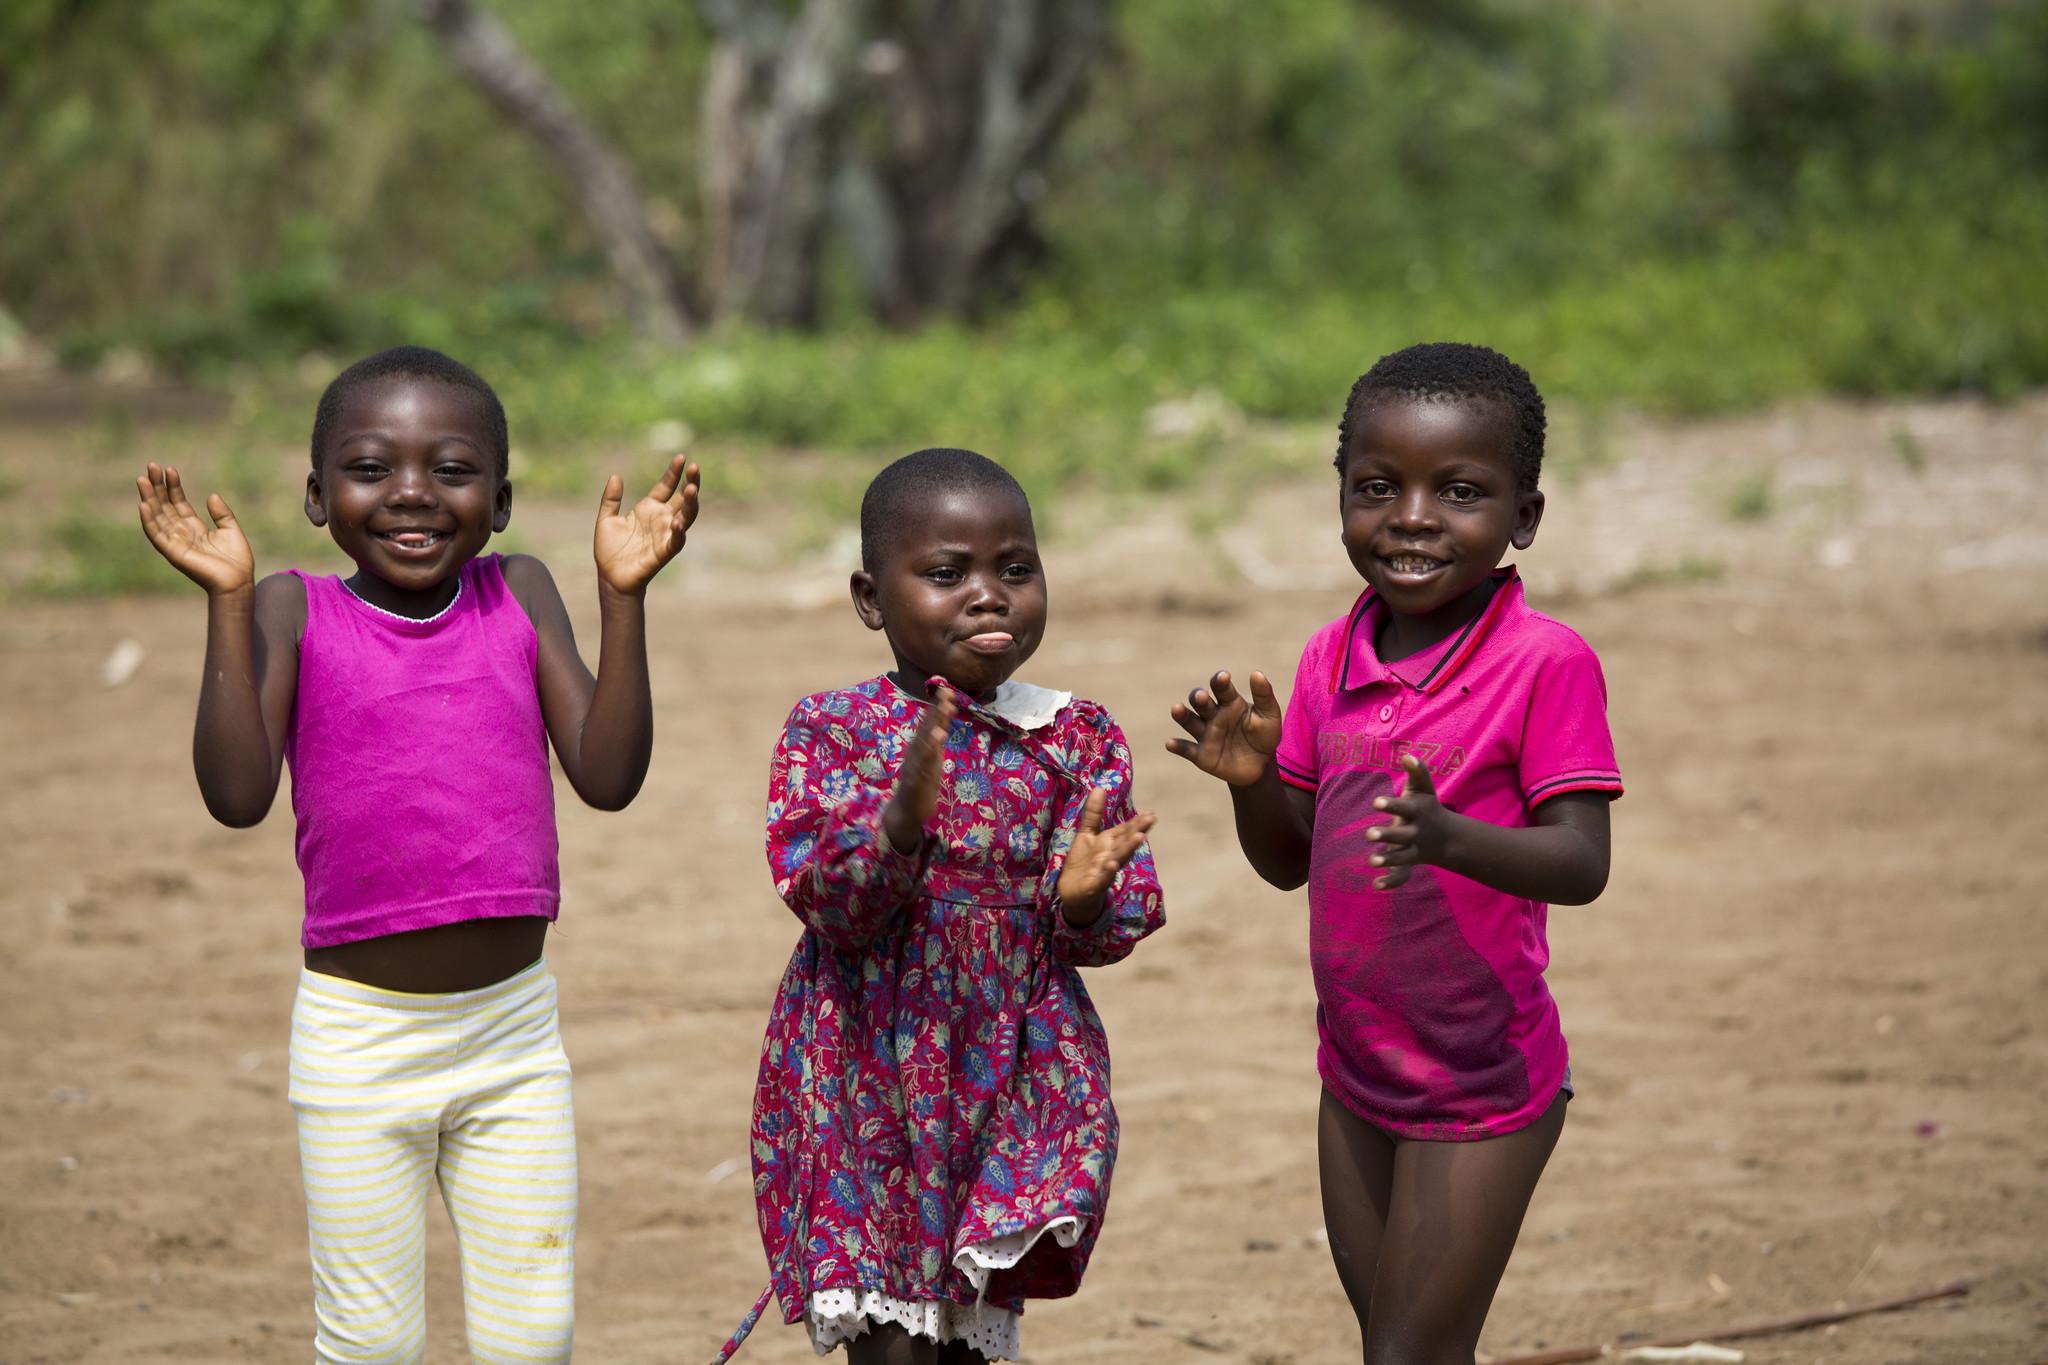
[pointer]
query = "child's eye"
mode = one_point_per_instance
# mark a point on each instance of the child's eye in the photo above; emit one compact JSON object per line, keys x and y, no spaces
{"x":367,"y":469}
{"x":945,"y":573}
{"x":1019,"y":572}
{"x":1375,"y":488}
{"x":454,"y":471}
{"x":1461,"y":493}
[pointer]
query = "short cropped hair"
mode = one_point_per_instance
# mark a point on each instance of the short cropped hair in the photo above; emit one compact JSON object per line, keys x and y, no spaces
{"x":915,"y":477}
{"x":1454,"y":371}
{"x":414,"y":362}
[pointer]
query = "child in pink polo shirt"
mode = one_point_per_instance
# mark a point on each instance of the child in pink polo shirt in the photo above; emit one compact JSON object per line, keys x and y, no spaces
{"x":1441,"y":777}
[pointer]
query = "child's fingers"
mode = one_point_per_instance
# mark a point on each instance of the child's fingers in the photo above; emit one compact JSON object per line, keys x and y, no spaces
{"x":1402,"y":807}
{"x":1398,"y":877}
{"x":614,"y":494}
{"x":217,"y":508}
{"x":692,"y":492}
{"x":1263,"y":699}
{"x":1393,"y":834}
{"x":1395,"y":857}
{"x":1419,"y":780}
{"x":1188,"y":721}
{"x":1220,"y":686}
{"x":1185,"y":748}
{"x":1130,"y":835}
{"x":665,"y":486}
{"x":1091,"y":812}
{"x":1201,"y":703}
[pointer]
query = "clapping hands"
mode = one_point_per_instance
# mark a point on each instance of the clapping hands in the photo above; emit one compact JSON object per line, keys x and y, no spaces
{"x":1417,"y":832}
{"x":916,"y":798}
{"x":1097,"y":855}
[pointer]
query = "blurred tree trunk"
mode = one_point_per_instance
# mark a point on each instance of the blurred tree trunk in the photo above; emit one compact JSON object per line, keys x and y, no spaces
{"x":916,"y":131}
{"x":775,"y":113}
{"x":486,"y":53}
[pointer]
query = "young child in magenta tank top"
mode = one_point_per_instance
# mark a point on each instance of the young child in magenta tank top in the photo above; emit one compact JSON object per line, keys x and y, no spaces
{"x":1444,"y":1069}
{"x":415,"y":702}
{"x":933,"y":1135}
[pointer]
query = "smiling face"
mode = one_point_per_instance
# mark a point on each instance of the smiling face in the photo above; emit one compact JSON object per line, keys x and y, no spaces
{"x":1430,"y":506}
{"x":408,"y":486}
{"x":958,"y":589}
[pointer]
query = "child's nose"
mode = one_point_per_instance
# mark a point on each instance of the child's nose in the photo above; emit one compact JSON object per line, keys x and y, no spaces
{"x":411,"y":488}
{"x":1416,"y":510}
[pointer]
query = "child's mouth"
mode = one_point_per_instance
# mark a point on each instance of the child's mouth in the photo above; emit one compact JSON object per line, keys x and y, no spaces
{"x":990,"y":642}
{"x":412,"y":542}
{"x":1411,"y":566}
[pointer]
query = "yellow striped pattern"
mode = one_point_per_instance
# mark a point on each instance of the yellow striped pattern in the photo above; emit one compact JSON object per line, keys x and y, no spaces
{"x":397,"y":1092}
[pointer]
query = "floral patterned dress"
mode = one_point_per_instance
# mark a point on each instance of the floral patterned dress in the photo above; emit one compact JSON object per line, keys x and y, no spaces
{"x":933,"y":1135}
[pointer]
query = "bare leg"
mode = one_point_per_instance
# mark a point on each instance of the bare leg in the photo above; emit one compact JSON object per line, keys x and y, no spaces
{"x":888,"y":1344}
{"x":1357,"y":1167}
{"x":1449,"y":1231}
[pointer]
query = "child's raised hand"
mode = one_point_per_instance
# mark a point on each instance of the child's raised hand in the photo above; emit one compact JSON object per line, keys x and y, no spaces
{"x":916,"y":798}
{"x":1098,"y":854}
{"x":1234,"y":737}
{"x":631,"y":546}
{"x":217,"y":557}
{"x":1416,"y":835}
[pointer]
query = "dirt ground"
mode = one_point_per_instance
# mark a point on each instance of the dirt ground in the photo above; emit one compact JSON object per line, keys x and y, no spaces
{"x":1809,"y":1019}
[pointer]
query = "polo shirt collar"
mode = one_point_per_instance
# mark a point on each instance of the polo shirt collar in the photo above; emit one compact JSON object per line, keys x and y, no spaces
{"x":1361,"y":665}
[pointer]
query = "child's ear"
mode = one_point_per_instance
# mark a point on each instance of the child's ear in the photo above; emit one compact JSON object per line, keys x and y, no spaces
{"x":865,"y":603}
{"x":501,"y":507}
{"x":316,"y":500}
{"x":1528,"y":514}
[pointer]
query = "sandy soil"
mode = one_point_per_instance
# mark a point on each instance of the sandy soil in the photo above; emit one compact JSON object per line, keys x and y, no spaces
{"x":1807,"y":1018}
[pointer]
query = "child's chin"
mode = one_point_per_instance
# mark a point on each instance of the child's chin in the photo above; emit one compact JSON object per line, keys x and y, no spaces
{"x":413,"y":577}
{"x":978,"y":678}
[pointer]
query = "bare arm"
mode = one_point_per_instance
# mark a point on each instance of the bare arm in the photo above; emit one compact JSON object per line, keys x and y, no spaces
{"x":1562,"y":859}
{"x":1273,"y":824}
{"x":602,"y":727}
{"x":252,"y":648}
{"x":246,"y":697}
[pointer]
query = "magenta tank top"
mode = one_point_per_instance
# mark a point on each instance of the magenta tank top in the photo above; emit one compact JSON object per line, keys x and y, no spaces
{"x":420,"y":763}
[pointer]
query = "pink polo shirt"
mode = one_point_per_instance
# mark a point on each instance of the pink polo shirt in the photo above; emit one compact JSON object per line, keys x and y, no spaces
{"x":1432,"y":1017}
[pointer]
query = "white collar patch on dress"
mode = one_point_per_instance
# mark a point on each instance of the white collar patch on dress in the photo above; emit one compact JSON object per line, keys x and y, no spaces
{"x":1027,"y":707}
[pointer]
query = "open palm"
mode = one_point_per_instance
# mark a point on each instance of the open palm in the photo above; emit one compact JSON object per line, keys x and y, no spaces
{"x":1098,"y":854}
{"x":1234,"y":736}
{"x":216,"y":557}
{"x":632,"y":545}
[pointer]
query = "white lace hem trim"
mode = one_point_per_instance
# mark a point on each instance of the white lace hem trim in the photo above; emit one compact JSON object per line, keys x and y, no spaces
{"x":977,"y":1259}
{"x":838,"y":1315}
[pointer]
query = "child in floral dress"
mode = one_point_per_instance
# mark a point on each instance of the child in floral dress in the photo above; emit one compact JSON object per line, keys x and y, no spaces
{"x":933,"y":1135}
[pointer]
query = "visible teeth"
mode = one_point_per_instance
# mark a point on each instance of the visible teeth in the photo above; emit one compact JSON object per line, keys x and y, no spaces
{"x":1411,"y":564}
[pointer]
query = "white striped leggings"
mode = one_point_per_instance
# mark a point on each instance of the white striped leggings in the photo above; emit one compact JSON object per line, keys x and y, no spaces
{"x":395,"y":1092}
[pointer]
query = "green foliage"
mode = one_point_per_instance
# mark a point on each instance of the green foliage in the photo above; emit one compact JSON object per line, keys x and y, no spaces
{"x":97,"y":553}
{"x":1258,"y":202}
{"x":1908,"y":448}
{"x":1753,"y":497}
{"x":1689,"y":570}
